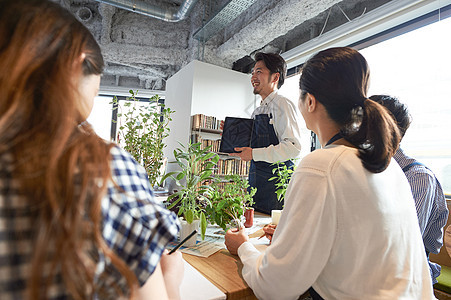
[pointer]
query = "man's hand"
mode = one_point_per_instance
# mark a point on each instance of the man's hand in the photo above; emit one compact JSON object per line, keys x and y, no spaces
{"x":234,"y":238}
{"x":245,"y":153}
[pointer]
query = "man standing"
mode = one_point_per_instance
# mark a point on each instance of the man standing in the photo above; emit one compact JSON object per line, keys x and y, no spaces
{"x":426,"y":189}
{"x":275,"y":135}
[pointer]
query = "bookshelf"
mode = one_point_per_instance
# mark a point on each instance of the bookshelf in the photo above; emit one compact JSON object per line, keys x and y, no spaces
{"x":233,"y":166}
{"x":205,"y":123}
{"x":206,"y":130}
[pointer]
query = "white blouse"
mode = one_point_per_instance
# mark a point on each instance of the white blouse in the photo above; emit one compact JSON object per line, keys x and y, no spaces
{"x":349,"y":233}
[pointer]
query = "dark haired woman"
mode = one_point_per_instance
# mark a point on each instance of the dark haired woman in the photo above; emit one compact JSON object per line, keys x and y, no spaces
{"x":77,"y":215}
{"x":349,"y":228}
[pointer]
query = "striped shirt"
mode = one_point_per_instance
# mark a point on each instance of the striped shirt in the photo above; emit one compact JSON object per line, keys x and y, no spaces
{"x":134,"y":226}
{"x":430,"y":204}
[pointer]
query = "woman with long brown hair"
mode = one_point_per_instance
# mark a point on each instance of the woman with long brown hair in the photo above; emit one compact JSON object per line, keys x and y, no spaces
{"x":77,"y":215}
{"x":349,"y":228}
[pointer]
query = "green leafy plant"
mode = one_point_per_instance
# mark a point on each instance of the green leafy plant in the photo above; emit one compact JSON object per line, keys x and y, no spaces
{"x":229,"y":200}
{"x":142,"y":133}
{"x":282,"y":176}
{"x":197,"y":166}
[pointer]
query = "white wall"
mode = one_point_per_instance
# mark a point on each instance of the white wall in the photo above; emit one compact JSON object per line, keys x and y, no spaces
{"x":201,"y":88}
{"x":179,"y":89}
{"x":221,"y":92}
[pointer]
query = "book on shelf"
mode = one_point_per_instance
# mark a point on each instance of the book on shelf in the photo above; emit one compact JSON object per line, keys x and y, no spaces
{"x":196,"y":138}
{"x":200,"y":121}
{"x":226,"y":165}
{"x":232,"y":166}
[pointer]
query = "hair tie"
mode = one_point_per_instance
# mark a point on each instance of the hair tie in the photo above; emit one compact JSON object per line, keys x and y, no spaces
{"x":361,"y":102}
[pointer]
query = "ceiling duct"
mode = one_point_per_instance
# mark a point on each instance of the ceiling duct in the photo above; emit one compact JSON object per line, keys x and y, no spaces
{"x":144,"y":8}
{"x":222,"y":18}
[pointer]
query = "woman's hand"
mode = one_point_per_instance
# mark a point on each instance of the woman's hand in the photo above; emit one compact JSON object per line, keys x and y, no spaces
{"x":234,"y":238}
{"x":269,"y":229}
{"x":173,"y":269}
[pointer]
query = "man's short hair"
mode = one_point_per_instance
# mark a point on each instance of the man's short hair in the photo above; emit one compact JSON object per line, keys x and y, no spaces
{"x":399,"y":111}
{"x":275,"y":64}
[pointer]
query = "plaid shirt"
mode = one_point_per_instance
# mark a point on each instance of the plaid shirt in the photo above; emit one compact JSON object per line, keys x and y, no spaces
{"x":134,"y":226}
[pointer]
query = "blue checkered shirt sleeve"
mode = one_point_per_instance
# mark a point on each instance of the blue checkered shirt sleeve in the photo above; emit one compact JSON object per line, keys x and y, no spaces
{"x":136,"y":227}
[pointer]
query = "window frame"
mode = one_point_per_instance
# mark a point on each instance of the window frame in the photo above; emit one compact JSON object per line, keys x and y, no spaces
{"x":434,"y":16}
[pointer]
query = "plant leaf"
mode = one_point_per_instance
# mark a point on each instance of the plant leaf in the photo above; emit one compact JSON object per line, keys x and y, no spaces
{"x":180,"y":176}
{"x":189,"y":216}
{"x":203,"y":225}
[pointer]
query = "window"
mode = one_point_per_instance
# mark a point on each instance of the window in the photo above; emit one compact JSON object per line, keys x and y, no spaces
{"x":101,"y":116}
{"x":131,"y":113}
{"x":410,"y":61}
{"x":105,"y":121}
{"x":290,"y":89}
{"x":415,"y":67}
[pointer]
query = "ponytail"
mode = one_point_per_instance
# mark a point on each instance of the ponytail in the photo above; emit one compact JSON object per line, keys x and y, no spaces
{"x":339,"y":78}
{"x":377,"y":138}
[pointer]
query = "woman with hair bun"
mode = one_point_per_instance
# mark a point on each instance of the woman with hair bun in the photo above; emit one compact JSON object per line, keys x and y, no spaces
{"x":78,"y":218}
{"x":349,"y":228}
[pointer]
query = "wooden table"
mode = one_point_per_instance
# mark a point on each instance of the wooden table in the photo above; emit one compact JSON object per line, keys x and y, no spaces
{"x":224,"y":271}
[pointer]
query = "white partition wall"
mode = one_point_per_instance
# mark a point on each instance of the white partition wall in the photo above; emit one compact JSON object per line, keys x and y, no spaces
{"x":221,"y":92}
{"x":179,"y":91}
{"x":201,"y":88}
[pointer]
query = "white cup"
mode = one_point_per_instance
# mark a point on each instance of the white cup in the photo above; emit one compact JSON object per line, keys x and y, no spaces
{"x":275,"y":216}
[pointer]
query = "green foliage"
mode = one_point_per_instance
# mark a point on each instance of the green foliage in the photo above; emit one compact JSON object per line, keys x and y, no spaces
{"x":143,"y":132}
{"x":229,"y":200}
{"x":282,"y":176}
{"x":197,"y":166}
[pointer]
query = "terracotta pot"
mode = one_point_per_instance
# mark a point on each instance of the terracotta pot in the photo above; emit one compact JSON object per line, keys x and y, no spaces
{"x":249,"y":216}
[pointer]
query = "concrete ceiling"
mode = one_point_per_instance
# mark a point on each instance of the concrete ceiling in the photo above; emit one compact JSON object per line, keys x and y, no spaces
{"x":143,"y":52}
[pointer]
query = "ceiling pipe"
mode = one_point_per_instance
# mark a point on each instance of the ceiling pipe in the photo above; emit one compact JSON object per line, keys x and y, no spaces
{"x":165,"y":14}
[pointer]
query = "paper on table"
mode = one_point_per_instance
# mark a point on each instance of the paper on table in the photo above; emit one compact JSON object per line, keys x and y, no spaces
{"x":196,"y":287}
{"x":203,"y":248}
{"x":214,"y":238}
{"x":206,"y":247}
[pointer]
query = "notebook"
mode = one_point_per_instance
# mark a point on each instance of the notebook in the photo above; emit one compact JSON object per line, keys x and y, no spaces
{"x":237,"y":132}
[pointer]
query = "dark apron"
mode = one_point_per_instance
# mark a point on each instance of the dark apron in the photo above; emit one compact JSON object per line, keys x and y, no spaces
{"x":263,"y":135}
{"x":314,"y":294}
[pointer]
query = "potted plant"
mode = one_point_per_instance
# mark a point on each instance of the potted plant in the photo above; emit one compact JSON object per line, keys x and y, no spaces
{"x":142,"y":131}
{"x":229,"y":200}
{"x":282,"y":175}
{"x":196,"y":167}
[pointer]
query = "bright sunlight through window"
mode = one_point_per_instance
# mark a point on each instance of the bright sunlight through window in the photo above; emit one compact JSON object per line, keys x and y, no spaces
{"x":415,"y":67}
